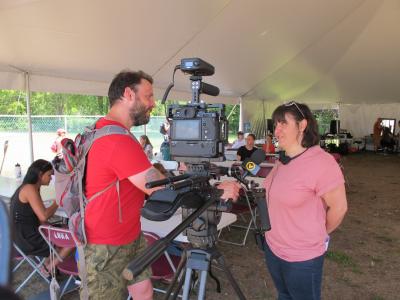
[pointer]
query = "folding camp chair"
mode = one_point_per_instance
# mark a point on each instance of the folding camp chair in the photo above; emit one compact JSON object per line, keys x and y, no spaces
{"x":60,"y":237}
{"x":264,"y":171}
{"x":35,"y":262}
{"x":164,"y":267}
{"x":17,"y":254}
{"x":242,"y":208}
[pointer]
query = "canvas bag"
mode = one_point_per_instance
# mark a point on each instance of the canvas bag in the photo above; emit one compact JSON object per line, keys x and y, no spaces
{"x":69,"y":175}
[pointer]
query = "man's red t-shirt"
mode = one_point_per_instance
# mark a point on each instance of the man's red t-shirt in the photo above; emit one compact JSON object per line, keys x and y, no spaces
{"x":110,"y":158}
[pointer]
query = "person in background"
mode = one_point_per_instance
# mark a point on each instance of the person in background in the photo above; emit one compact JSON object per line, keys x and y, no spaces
{"x":147,"y":146}
{"x":269,"y":147}
{"x":56,"y":146}
{"x":377,"y":131}
{"x":28,"y":213}
{"x":239,"y":142}
{"x":247,"y":150}
{"x":164,"y":147}
{"x":306,"y":199}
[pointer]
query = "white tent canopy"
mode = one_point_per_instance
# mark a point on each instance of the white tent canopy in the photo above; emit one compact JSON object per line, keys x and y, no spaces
{"x":315,"y":51}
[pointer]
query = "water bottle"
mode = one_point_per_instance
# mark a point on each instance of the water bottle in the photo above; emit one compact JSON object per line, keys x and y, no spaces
{"x":18,"y":173}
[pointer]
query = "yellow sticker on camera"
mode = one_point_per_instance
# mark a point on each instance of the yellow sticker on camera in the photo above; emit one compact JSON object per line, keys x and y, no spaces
{"x":250,"y":166}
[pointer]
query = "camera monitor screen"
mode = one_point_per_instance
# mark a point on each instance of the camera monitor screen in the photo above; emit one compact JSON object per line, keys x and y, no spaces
{"x":187,"y":130}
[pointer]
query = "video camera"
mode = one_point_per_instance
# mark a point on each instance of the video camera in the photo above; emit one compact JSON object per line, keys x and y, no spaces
{"x":198,"y":130}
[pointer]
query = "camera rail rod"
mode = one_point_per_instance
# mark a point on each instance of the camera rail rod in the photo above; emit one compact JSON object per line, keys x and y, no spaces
{"x":167,"y":180}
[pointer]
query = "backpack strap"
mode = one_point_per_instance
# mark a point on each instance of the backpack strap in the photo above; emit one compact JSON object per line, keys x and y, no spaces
{"x":99,"y":133}
{"x":104,"y":131}
{"x":100,"y":192}
{"x":81,"y":261}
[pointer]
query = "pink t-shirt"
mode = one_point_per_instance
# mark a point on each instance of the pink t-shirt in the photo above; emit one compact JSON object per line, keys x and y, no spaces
{"x":297,"y":211}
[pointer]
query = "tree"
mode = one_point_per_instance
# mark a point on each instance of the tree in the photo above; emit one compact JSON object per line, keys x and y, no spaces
{"x":42,"y":103}
{"x":13,"y":102}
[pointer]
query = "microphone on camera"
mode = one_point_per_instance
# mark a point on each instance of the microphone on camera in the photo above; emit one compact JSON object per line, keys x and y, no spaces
{"x":209,"y":89}
{"x":252,"y":164}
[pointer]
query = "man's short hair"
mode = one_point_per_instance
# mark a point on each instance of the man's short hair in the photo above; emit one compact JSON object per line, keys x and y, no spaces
{"x":240,"y":133}
{"x":123,"y":80}
{"x":252,"y":135}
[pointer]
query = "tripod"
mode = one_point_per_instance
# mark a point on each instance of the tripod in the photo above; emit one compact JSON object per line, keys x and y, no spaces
{"x":198,"y":261}
{"x":201,"y":211}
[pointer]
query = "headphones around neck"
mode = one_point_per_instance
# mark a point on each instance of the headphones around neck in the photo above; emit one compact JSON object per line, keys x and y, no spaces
{"x":284,"y":159}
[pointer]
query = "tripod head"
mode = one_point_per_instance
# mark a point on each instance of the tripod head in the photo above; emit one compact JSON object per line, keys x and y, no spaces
{"x":189,"y":191}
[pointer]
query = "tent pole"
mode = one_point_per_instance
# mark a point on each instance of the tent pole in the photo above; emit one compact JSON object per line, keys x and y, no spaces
{"x":241,"y":114}
{"x":264,"y":120}
{"x":28,"y":112}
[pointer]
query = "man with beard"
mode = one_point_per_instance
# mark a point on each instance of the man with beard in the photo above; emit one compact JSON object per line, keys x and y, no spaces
{"x":112,"y":219}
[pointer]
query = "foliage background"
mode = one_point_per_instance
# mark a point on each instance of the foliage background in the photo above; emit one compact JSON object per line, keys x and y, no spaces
{"x":13,"y":103}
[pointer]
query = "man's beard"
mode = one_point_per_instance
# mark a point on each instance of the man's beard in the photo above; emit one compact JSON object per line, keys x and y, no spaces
{"x":138,"y":113}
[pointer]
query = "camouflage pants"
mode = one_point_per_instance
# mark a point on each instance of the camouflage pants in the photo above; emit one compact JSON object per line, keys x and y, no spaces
{"x":105,"y":263}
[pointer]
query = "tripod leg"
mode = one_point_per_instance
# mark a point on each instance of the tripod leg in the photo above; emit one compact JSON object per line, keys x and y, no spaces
{"x":186,"y":287}
{"x":179,"y":287}
{"x":232,"y":281}
{"x":177,"y":275}
{"x":202,"y":286}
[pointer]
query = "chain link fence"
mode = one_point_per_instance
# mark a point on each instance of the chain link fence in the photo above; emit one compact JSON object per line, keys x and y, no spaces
{"x":14,"y":129}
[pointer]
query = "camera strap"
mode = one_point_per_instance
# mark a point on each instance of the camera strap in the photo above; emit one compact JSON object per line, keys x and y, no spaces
{"x":259,"y":236}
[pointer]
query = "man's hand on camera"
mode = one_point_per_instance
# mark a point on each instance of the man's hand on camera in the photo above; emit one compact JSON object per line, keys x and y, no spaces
{"x":231,"y":190}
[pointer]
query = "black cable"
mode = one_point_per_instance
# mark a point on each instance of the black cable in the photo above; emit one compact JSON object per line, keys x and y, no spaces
{"x":170,"y":86}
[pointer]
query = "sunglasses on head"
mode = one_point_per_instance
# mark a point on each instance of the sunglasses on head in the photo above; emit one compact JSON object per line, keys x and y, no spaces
{"x":298,"y":108}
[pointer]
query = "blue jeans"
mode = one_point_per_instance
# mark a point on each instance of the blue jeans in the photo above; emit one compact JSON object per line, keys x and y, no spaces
{"x":295,"y":280}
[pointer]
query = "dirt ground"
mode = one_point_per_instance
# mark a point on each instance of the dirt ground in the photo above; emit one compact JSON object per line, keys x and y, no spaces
{"x":363,"y":261}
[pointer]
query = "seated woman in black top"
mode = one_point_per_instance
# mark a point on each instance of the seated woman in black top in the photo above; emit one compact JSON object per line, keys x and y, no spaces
{"x":248,"y":149}
{"x":28,"y":212}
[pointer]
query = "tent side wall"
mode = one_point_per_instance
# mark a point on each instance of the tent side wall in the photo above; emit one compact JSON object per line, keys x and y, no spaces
{"x":359,"y":119}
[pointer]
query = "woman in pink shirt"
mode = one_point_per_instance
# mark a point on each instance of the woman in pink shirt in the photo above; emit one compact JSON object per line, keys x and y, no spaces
{"x":306,"y":200}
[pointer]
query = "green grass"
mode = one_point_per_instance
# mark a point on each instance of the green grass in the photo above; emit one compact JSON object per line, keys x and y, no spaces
{"x":344,"y":260}
{"x":340,"y":258}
